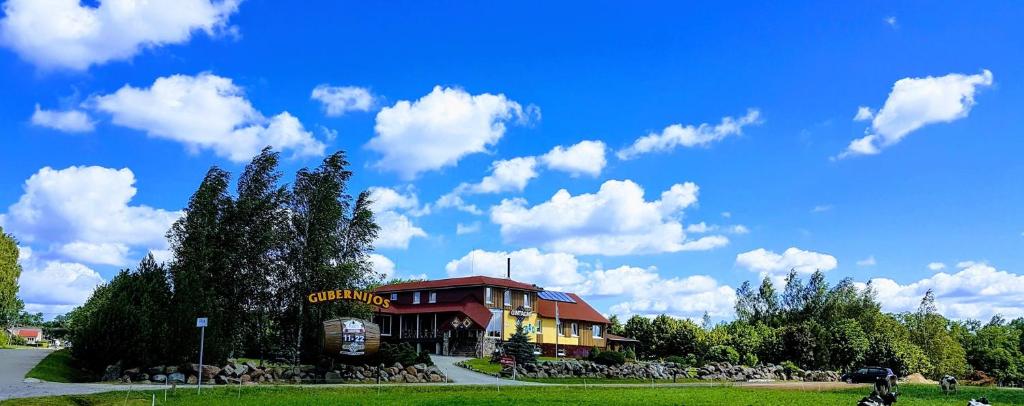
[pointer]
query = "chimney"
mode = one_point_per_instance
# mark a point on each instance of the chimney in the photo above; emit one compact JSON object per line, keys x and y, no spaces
{"x":509,"y":267}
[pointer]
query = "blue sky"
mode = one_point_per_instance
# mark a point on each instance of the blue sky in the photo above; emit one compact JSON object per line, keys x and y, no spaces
{"x":428,"y":96}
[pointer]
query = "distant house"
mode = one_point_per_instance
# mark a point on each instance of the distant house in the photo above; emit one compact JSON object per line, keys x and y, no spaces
{"x":32,"y":335}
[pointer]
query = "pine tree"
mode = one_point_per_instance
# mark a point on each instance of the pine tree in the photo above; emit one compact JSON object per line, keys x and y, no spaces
{"x":520,"y":348}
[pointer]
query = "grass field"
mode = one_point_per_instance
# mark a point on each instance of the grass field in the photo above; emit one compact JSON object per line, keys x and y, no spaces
{"x":57,"y":367}
{"x":461,"y":395}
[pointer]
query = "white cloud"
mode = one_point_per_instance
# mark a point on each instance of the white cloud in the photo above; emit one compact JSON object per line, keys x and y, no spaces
{"x":452,"y":199}
{"x":585,"y":157}
{"x":206,"y":112}
{"x":976,"y":291}
{"x":739,"y":229}
{"x":66,"y":34}
{"x":96,"y":253}
{"x":616,"y":220}
{"x":821,"y":208}
{"x":84,"y":213}
{"x":869,"y":261}
{"x":917,"y":102}
{"x":71,"y":121}
{"x":726,"y":214}
{"x":440,"y":128}
{"x":55,"y":287}
{"x":510,"y":175}
{"x":552,"y":270}
{"x":463,"y":229}
{"x":891,"y":20}
{"x":700,"y":228}
{"x":936,"y":266}
{"x":338,"y":100}
{"x":383,"y":266}
{"x":769,"y":263}
{"x":651,"y":294}
{"x":396,"y":230}
{"x":676,"y":135}
{"x":864,"y":113}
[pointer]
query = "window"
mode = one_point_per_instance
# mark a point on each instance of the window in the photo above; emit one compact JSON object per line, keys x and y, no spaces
{"x":433,"y":297}
{"x":558,"y":328}
{"x":597,"y":331}
{"x":384,"y":321}
{"x":494,"y":326}
{"x":526,"y":299}
{"x":487,"y":295}
{"x":508,"y":297}
{"x":540,"y":327}
{"x":394,"y":297}
{"x":575,"y":329}
{"x":415,"y":297}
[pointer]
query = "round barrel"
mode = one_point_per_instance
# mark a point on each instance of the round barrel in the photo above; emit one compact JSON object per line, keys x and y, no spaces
{"x":351,"y":337}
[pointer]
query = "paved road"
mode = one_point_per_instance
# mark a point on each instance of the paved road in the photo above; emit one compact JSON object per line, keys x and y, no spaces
{"x":464,"y":376}
{"x":14,"y":364}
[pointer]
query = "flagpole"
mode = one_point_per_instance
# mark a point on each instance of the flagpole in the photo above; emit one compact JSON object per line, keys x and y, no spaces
{"x":558,"y":329}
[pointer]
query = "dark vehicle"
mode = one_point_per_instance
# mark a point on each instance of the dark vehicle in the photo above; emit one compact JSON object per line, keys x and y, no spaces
{"x":868,"y":375}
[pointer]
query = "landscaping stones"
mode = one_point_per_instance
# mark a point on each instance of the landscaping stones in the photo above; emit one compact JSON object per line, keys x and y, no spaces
{"x":250,"y":373}
{"x":668,"y":371}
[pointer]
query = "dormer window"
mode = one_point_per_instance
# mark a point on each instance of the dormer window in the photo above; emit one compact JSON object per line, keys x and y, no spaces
{"x":394,"y":297}
{"x":526,"y":299}
{"x":487,"y":296}
{"x":415,"y":297}
{"x":432,"y":298}
{"x":508,"y":297}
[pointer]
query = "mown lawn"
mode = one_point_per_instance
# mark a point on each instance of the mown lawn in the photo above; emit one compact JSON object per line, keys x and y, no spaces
{"x":58,"y":367}
{"x":465,"y":395}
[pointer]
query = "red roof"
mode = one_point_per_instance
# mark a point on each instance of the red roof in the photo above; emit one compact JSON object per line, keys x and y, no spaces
{"x":29,"y":332}
{"x":570,"y":311}
{"x":475,"y":310}
{"x":458,"y":282}
{"x":613,"y":337}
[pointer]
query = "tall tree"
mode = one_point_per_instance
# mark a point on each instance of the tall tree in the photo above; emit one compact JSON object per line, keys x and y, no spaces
{"x":10,"y":271}
{"x":202,"y":243}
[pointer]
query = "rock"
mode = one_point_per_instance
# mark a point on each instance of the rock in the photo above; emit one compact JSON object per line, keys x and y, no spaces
{"x":411,"y":370}
{"x":131,"y":373}
{"x":158,"y":378}
{"x":112,"y":372}
{"x":228,"y":370}
{"x":176,"y":377}
{"x":420,"y":367}
{"x":192,"y":380}
{"x":142,"y":377}
{"x":397,"y":365}
{"x":332,"y":377}
{"x":170,"y":370}
{"x":256,"y":374}
{"x":220,"y":379}
{"x":155,"y":370}
{"x":436,"y":378}
{"x":245,"y":378}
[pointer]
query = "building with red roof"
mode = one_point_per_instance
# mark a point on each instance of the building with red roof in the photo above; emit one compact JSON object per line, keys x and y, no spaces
{"x":471,"y":316}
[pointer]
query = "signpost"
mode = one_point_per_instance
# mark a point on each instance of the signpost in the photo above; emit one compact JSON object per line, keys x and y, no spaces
{"x":201,"y":322}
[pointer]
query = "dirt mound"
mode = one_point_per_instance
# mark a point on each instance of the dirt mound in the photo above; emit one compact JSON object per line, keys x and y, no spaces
{"x":918,"y":378}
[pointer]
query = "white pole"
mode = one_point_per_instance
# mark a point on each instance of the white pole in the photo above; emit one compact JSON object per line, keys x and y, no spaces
{"x":202,"y":337}
{"x":558,"y":329}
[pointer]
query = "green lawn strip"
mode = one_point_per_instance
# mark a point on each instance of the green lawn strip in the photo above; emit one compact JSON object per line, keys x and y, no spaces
{"x":919,"y":395}
{"x":58,"y":367}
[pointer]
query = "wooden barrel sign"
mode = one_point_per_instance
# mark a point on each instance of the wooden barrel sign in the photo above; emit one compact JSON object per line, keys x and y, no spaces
{"x":351,"y":337}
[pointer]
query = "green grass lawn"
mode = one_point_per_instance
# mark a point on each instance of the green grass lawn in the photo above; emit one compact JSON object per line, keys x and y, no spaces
{"x":58,"y":367}
{"x":459,"y":395}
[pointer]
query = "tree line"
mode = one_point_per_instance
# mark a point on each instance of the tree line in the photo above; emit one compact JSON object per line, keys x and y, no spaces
{"x":814,"y":326}
{"x":245,"y":260}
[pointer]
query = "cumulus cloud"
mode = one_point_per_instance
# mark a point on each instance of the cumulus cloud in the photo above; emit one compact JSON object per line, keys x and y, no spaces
{"x":389,"y":210}
{"x":869,"y":261}
{"x":770,"y":263}
{"x":864,"y":113}
{"x":55,"y":287}
{"x":976,"y":291}
{"x":70,"y":121}
{"x":69,"y":35}
{"x":440,"y":128}
{"x":85,"y":213}
{"x":914,"y":103}
{"x":616,"y":220}
{"x":936,"y":266}
{"x":206,"y":112}
{"x":510,"y":175}
{"x":383,"y":266}
{"x":554,"y":270}
{"x":463,"y":229}
{"x":338,"y":100}
{"x":689,"y":136}
{"x":583,"y":158}
{"x":635,"y":290}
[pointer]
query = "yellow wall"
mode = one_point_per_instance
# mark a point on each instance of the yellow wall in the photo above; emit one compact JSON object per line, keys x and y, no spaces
{"x":510,"y":325}
{"x":549,"y":333}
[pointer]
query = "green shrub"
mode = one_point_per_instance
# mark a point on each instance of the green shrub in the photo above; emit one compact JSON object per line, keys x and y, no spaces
{"x":18,"y":340}
{"x":677,"y":360}
{"x":610,"y":358}
{"x":402,"y":353}
{"x":749,"y":359}
{"x":4,"y":340}
{"x":594,"y":352}
{"x":789,"y":367}
{"x":629,"y":354}
{"x":424,"y":358}
{"x":723,"y":353}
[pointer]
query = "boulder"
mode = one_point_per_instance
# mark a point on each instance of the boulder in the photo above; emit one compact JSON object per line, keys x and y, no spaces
{"x":332,"y":377}
{"x":245,"y":378}
{"x":158,"y":378}
{"x":155,"y":370}
{"x":176,"y":377}
{"x":112,"y":372}
{"x":192,"y":380}
{"x":170,"y":369}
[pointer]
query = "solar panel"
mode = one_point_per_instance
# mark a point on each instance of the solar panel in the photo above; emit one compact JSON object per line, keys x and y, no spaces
{"x":555,"y":296}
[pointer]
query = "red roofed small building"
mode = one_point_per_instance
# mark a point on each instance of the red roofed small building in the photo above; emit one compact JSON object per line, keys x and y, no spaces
{"x":32,"y":335}
{"x":471,"y":316}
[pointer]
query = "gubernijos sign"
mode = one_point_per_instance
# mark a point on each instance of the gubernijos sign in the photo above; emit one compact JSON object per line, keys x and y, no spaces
{"x":348,"y":294}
